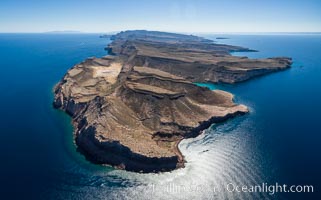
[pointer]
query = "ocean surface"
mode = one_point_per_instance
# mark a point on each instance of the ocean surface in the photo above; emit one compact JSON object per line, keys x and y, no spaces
{"x":278,"y":142}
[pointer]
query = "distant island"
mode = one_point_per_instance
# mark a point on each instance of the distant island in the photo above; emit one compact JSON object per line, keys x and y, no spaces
{"x":131,"y":108}
{"x":222,"y":38}
{"x":106,"y":36}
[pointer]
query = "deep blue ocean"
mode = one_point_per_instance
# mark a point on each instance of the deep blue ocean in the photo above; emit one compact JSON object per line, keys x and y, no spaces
{"x":279,"y":141}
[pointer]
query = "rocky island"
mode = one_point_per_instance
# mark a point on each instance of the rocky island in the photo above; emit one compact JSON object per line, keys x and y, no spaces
{"x":131,"y":108}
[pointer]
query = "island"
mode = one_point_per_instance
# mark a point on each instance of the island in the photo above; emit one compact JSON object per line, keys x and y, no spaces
{"x":222,"y":38}
{"x":106,"y":36}
{"x":132,"y":107}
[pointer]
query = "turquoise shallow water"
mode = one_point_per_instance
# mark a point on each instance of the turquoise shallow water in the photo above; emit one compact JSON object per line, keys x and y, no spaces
{"x":278,"y":141}
{"x":210,"y":86}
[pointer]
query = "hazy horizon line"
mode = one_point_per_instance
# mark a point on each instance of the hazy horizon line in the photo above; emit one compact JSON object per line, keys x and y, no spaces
{"x":182,"y":32}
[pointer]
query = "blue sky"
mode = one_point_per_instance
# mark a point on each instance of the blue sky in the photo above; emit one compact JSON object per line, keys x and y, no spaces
{"x":165,"y":15}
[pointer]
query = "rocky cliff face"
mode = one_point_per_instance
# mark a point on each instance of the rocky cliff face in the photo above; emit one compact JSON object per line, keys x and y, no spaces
{"x":131,"y":108}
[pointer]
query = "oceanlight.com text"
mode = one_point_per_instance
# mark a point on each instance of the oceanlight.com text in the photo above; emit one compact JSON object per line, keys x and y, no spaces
{"x":270,"y":189}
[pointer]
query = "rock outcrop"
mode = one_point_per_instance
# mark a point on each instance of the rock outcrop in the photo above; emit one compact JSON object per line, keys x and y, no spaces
{"x":131,"y":108}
